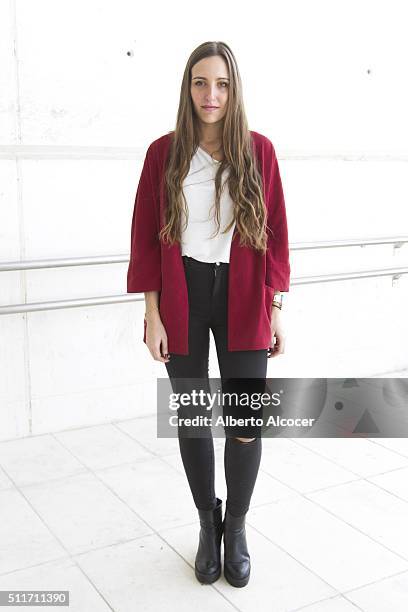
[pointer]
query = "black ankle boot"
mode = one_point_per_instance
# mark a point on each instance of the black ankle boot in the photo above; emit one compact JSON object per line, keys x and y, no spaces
{"x":237,"y":564}
{"x":208,"y":558}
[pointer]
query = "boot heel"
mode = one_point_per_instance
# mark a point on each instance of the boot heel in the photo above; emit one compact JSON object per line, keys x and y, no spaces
{"x":207,"y":564}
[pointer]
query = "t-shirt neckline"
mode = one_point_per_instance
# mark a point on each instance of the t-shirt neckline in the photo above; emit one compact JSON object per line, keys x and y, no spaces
{"x":208,"y":155}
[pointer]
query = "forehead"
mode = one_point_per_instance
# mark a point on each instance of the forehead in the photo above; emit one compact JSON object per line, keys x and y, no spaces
{"x":213,"y":67}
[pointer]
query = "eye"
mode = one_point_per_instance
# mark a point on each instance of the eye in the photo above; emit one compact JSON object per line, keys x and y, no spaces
{"x":222,"y":83}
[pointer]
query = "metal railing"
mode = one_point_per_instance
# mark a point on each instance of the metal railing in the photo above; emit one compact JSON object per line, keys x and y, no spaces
{"x":394,"y":272}
{"x":81,"y":152}
{"x":37,"y":264}
{"x":396,"y":241}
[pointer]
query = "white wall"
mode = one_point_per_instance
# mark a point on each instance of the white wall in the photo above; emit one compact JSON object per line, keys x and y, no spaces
{"x":68,"y":83}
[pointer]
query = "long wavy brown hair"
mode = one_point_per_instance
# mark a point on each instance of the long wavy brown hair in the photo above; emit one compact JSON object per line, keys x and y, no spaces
{"x":244,"y":180}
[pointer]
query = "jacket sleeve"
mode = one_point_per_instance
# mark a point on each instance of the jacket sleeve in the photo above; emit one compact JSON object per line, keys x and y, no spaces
{"x":144,"y":271}
{"x":277,"y":256}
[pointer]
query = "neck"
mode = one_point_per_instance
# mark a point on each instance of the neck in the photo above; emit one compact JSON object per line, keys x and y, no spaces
{"x":210,"y":134}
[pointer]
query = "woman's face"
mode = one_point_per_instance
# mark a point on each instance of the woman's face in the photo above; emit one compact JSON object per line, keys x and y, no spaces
{"x":209,"y":87}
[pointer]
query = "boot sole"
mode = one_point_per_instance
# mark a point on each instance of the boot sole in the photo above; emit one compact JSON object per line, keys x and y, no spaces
{"x":207,"y":578}
{"x":236,"y":582}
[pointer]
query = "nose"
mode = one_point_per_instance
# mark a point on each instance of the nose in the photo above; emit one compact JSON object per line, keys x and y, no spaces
{"x":212,"y":94}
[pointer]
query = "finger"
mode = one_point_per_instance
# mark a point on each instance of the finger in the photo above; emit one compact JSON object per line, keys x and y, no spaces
{"x":157,"y":354}
{"x":277,"y":350}
{"x":281,"y":347}
{"x":165,"y":349}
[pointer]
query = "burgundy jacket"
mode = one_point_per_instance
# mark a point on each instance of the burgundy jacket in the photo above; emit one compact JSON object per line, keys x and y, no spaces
{"x":253,"y":277}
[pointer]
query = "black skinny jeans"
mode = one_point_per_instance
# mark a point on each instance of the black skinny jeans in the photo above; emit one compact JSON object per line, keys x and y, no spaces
{"x":240,"y":371}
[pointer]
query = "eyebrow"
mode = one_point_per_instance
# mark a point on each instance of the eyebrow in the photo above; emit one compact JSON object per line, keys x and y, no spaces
{"x":218,"y":78}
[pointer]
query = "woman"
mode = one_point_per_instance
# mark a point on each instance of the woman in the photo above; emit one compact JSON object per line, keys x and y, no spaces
{"x":209,"y":249}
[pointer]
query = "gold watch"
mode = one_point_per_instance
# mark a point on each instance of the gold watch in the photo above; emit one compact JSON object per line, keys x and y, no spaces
{"x":277,"y":300}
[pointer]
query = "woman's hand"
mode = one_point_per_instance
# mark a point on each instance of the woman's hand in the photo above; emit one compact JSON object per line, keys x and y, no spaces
{"x":276,"y":332}
{"x":156,"y":337}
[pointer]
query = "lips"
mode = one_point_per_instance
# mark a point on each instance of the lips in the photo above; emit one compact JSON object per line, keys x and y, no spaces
{"x":210,"y":107}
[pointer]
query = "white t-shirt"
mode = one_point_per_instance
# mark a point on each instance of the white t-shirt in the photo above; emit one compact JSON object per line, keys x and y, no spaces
{"x":198,"y":239}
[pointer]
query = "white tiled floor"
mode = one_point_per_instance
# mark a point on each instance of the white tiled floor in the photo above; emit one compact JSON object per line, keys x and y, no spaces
{"x":106,"y":513}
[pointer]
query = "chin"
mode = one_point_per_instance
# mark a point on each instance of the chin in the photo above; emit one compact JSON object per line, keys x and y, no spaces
{"x":211,"y":119}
